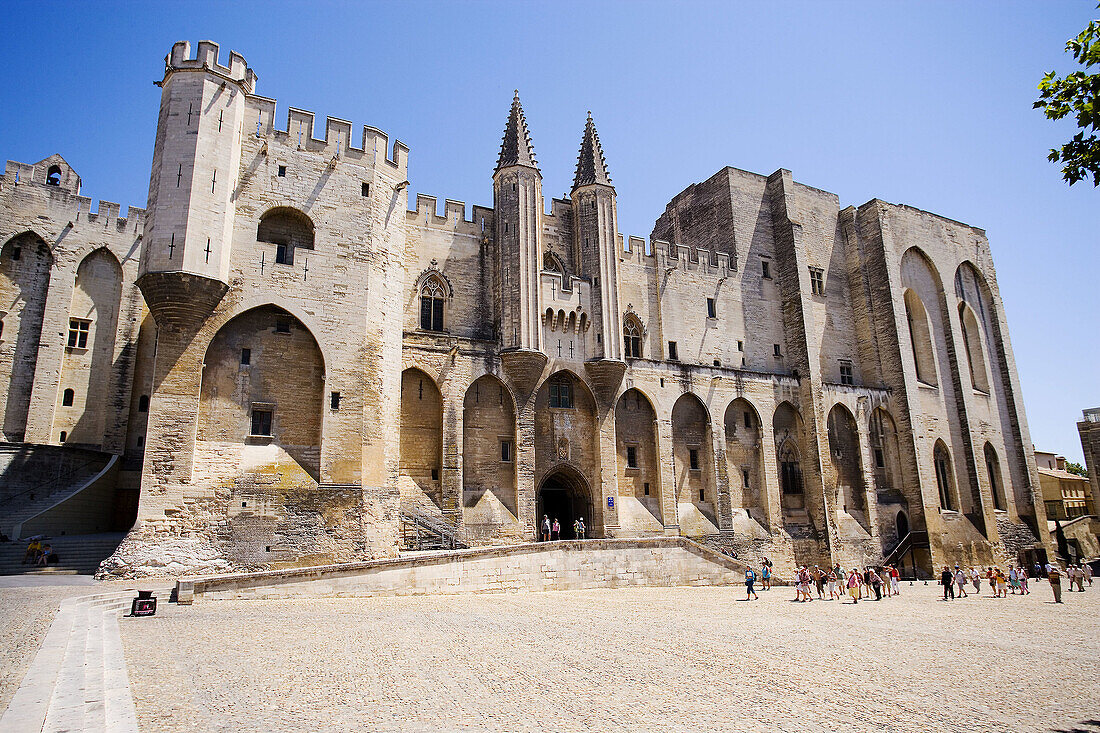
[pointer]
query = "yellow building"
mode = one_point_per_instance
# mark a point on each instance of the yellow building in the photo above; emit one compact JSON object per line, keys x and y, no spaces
{"x":1065,"y":494}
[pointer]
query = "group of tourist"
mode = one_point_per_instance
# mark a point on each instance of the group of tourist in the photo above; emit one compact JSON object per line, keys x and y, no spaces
{"x":38,"y":553}
{"x":954,"y":582}
{"x":883,"y":581}
{"x":877,"y":581}
{"x":552,"y":530}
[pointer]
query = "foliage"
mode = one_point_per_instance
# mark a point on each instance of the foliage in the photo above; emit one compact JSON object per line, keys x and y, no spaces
{"x":1077,"y":93}
{"x":1076,"y":469}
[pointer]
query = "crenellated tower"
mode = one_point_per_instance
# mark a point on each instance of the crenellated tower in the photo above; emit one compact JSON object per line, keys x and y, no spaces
{"x":517,"y":199}
{"x":595,"y":227}
{"x":186,"y":243}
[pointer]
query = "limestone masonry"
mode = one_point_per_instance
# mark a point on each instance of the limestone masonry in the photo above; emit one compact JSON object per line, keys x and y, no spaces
{"x":287,"y":359}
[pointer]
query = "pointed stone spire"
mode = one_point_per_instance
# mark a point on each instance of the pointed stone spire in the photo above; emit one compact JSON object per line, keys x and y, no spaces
{"x":515,"y":148}
{"x":591,"y":167}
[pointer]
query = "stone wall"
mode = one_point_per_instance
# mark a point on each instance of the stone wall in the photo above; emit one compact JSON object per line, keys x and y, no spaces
{"x":567,"y":565}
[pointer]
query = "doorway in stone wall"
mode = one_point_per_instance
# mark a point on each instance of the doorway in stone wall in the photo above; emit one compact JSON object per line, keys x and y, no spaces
{"x":564,"y":495}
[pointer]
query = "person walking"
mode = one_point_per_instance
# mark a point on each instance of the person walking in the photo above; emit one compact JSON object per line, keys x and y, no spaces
{"x":1002,"y":583}
{"x":948,"y":582}
{"x":976,"y":579}
{"x":1022,"y":575}
{"x":555,"y":530}
{"x":545,"y":528}
{"x":853,"y":585}
{"x":819,"y":581}
{"x":1088,"y":573}
{"x":1013,"y":579}
{"x":876,"y":583}
{"x":766,"y":576}
{"x":1081,"y":578}
{"x":831,"y":578}
{"x":960,"y":580}
{"x":895,"y":580}
{"x":750,"y":578}
{"x":1055,"y":577}
{"x":580,"y":521}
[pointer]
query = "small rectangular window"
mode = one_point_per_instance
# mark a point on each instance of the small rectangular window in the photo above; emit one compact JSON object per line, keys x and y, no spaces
{"x":717,"y":362}
{"x":740,"y":345}
{"x":765,"y":269}
{"x":261,"y":421}
{"x":143,"y":403}
{"x":776,"y":350}
{"x":334,"y":401}
{"x":702,"y":496}
{"x":672,"y":356}
{"x":631,"y":457}
{"x":283,"y":255}
{"x":16,"y":253}
{"x":506,"y":451}
{"x":712,"y":309}
{"x":693,"y":459}
{"x":748,"y":419}
{"x":817,"y":281}
{"x":246,"y":357}
{"x":561,"y":394}
{"x":745,"y":477}
{"x":846,"y":372}
{"x":645,"y":488}
{"x":435,"y":474}
{"x":282,"y":171}
{"x":282,"y":325}
{"x":366,"y":189}
{"x":880,"y":460}
{"x":78,"y":333}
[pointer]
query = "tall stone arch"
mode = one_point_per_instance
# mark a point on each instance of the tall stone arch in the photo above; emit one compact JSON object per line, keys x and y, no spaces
{"x":25,"y":268}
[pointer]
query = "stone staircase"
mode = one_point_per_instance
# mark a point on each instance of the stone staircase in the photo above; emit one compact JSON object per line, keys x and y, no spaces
{"x":26,"y":498}
{"x":422,"y":530}
{"x":78,"y":554}
{"x":78,"y":680}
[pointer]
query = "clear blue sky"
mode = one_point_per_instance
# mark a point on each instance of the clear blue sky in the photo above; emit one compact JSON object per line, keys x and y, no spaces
{"x":922,"y":103}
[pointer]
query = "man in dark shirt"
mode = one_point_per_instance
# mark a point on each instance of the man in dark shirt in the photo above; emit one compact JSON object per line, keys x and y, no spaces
{"x":947,"y":581}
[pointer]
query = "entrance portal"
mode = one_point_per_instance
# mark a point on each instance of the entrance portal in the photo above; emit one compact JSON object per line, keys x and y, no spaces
{"x":564,"y":496}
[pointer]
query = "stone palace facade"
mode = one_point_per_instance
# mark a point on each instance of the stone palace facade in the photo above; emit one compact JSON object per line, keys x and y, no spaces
{"x":289,"y":358}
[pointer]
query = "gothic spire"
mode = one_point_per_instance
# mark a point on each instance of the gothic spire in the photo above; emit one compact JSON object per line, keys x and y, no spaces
{"x":591,"y":167}
{"x":515,"y":148}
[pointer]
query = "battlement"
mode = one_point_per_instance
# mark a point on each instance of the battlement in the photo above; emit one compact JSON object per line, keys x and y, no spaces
{"x":338,"y":138}
{"x":672,"y":256}
{"x":206,"y":58}
{"x":64,"y":193}
{"x":454,"y":214}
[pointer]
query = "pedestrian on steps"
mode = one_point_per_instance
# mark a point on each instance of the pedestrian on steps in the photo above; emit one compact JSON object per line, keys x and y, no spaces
{"x":545,"y":528}
{"x":555,"y":530}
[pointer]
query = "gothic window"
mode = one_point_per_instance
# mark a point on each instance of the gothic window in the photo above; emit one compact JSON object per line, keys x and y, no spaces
{"x":972,"y":343}
{"x":432,"y":298}
{"x":561,"y":393}
{"x":53,"y":176}
{"x":993,"y":467}
{"x":78,"y":333}
{"x":944,"y":479}
{"x":67,"y":398}
{"x":920,"y":338}
{"x":632,"y":338}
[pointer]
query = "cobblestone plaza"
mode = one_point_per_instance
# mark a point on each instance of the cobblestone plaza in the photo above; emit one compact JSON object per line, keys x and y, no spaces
{"x":641,"y":659}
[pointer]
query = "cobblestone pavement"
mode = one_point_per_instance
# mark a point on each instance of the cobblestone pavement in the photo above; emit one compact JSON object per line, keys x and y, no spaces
{"x":642,"y":659}
{"x":27,"y":608}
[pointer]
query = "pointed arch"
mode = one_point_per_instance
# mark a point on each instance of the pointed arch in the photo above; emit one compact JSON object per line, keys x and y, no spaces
{"x":269,"y":411}
{"x":789,"y":447}
{"x":88,"y":360}
{"x":26,"y":264}
{"x":847,"y":464}
{"x":975,"y":350}
{"x":691,"y":450}
{"x":638,"y":473}
{"x":920,"y":338}
{"x":744,"y":454}
{"x":945,"y":477}
{"x":421,"y":457}
{"x":433,"y":292}
{"x":489,"y":454}
{"x":996,"y":479}
{"x":633,"y":335}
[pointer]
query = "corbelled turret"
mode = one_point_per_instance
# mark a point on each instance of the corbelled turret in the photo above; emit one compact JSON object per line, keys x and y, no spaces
{"x":596,"y":227}
{"x":591,"y":167}
{"x":517,"y":199}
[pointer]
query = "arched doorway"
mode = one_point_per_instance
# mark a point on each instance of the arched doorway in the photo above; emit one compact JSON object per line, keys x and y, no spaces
{"x":902,"y":525}
{"x":564,"y":495}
